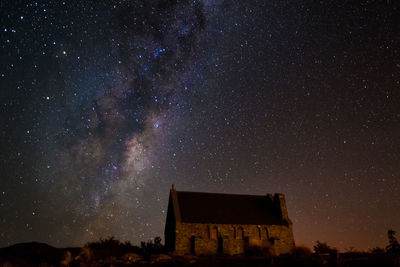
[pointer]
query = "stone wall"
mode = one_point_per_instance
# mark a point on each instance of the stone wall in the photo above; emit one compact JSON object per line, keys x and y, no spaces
{"x":283,"y":238}
{"x":232,"y":239}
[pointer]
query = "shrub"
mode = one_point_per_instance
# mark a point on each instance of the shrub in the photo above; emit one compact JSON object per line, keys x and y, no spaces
{"x":301,"y":253}
{"x":394,"y":246}
{"x":377,"y":250}
{"x":323,"y":248}
{"x":150,"y":247}
{"x":112,"y":247}
{"x":267,"y":252}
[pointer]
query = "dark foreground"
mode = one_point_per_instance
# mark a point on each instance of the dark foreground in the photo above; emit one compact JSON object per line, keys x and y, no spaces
{"x":38,"y":254}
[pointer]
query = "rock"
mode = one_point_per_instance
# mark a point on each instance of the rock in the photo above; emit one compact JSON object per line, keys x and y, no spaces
{"x":161,"y":257}
{"x":86,"y":254}
{"x":131,"y":257}
{"x":67,"y":258}
{"x":110,"y":261}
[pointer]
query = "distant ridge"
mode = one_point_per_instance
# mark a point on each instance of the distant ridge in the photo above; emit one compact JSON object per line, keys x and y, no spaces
{"x":30,"y":254}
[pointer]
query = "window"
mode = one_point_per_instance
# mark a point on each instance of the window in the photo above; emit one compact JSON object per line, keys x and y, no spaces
{"x":259,"y":232}
{"x":266,"y":233}
{"x":239,"y":234}
{"x":192,"y":245}
{"x":214,"y":232}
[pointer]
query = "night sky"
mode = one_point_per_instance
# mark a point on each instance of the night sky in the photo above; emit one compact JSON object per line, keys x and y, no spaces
{"x":105,"y":104}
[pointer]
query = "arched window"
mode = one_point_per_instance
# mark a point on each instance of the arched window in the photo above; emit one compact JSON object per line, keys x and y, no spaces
{"x":214,"y":232}
{"x":259,"y":233}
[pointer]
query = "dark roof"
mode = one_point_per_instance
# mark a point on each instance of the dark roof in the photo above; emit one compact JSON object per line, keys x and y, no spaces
{"x":228,"y":209}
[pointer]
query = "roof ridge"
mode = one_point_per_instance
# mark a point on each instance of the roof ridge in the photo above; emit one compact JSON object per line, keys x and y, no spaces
{"x":227,"y":194}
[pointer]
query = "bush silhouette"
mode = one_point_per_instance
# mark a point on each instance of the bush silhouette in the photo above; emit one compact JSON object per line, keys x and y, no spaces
{"x":323,"y":248}
{"x":259,"y":251}
{"x":301,"y":252}
{"x":150,"y":247}
{"x":394,"y":246}
{"x":112,"y":247}
{"x":377,"y":250}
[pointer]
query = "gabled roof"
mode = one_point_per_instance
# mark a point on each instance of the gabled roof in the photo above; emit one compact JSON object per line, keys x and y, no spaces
{"x":195,"y":207}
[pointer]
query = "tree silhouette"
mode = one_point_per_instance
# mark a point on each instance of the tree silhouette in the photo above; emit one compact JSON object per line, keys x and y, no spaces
{"x":394,"y":246}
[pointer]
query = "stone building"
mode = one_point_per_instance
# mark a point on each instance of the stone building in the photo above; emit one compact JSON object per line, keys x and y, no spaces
{"x":209,"y":223}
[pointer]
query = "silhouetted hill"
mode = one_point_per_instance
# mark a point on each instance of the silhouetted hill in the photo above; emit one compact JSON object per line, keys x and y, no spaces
{"x":30,"y":254}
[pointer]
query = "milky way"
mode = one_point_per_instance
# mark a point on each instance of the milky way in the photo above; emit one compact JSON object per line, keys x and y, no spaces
{"x":105,"y":104}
